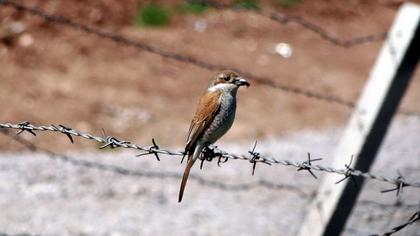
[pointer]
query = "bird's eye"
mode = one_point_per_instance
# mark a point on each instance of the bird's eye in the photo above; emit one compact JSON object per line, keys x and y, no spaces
{"x":226,"y":78}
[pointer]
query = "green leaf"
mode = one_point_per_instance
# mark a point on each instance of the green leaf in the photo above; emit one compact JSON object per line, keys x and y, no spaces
{"x":153,"y":16}
{"x":192,"y":7}
{"x":247,"y":4}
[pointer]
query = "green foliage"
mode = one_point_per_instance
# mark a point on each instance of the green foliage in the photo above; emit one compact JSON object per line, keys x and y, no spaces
{"x":247,"y":4}
{"x":288,"y":3}
{"x":192,"y":7}
{"x":153,"y":16}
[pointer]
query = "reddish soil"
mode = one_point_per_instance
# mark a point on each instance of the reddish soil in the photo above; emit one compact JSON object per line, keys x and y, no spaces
{"x":69,"y":77}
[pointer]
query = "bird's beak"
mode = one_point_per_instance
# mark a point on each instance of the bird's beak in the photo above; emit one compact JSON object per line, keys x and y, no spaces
{"x":241,"y":82}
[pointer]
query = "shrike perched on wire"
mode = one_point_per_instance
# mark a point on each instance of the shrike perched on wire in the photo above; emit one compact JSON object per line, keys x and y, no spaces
{"x":213,"y":118}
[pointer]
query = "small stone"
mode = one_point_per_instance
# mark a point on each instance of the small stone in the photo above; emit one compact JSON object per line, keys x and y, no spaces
{"x":200,"y":25}
{"x":284,"y":50}
{"x":25,"y":40}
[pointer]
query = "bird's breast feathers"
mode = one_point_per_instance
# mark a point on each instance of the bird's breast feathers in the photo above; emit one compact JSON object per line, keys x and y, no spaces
{"x":207,"y":108}
{"x":208,"y":105}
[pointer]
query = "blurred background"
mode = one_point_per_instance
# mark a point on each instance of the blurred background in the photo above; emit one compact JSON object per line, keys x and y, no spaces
{"x":54,"y":74}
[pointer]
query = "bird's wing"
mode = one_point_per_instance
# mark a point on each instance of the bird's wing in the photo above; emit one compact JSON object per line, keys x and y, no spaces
{"x":207,"y":109}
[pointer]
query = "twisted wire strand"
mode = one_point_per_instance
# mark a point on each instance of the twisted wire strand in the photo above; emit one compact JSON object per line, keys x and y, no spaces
{"x":155,"y":174}
{"x":346,"y":43}
{"x":253,"y":158}
{"x":415,"y":217}
{"x":304,"y":23}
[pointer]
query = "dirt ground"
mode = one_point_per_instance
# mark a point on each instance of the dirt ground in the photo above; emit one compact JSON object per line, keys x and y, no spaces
{"x":56,"y":75}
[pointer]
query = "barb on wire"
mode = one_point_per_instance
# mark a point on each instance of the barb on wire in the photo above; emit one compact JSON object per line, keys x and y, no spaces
{"x":117,"y":38}
{"x":23,"y":128}
{"x":255,"y":156}
{"x":399,"y":185}
{"x":151,"y":150}
{"x":154,"y":147}
{"x":208,"y":154}
{"x":156,"y":174}
{"x":217,"y":153}
{"x":348,"y":172}
{"x":307,"y":163}
{"x":66,"y":133}
{"x":221,"y":159}
{"x":112,"y":142}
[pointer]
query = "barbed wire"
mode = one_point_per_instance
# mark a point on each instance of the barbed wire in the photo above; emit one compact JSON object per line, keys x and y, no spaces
{"x":155,"y":174}
{"x":415,"y":217}
{"x":200,"y":180}
{"x":119,"y":170}
{"x":213,"y":154}
{"x":117,"y":38}
{"x":396,"y":204}
{"x":299,"y":20}
{"x":346,"y":43}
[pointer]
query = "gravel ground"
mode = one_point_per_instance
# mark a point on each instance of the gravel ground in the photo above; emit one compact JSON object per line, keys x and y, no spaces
{"x":124,"y":195}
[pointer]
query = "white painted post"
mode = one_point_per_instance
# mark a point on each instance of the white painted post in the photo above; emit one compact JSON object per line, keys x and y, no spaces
{"x":389,"y":78}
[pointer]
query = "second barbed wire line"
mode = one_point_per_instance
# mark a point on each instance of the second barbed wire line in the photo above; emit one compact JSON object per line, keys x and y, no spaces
{"x":117,"y":38}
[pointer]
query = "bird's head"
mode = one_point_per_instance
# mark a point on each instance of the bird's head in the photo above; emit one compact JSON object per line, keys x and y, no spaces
{"x":229,"y":79}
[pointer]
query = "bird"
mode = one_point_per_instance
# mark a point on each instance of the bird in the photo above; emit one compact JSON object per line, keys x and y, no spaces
{"x":214,"y":116}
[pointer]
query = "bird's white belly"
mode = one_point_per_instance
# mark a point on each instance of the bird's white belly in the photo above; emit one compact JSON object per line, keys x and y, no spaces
{"x":223,"y":120}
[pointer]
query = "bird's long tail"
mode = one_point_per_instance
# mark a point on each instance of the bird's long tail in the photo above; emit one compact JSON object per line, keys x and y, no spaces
{"x":190,"y":163}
